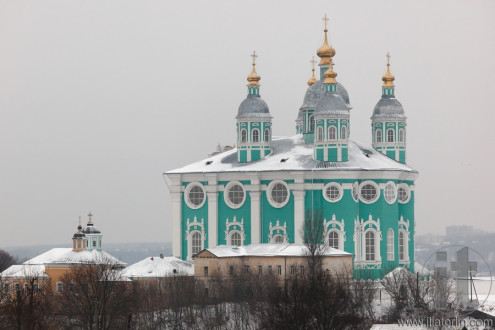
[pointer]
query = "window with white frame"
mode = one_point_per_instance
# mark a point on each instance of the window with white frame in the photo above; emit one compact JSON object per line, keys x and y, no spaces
{"x":311,"y":123}
{"x":196,"y":242}
{"x":332,"y":192}
{"x":319,"y":134}
{"x":279,"y":270}
{"x":195,"y":195}
{"x":235,"y":238}
{"x":403,"y":193}
{"x":343,"y":132}
{"x":260,"y":270}
{"x":267,"y":135}
{"x":390,"y":135}
{"x":390,"y":245}
{"x":355,"y":191}
{"x":402,"y":246}
{"x":389,"y":192}
{"x":378,"y":137}
{"x":370,"y":246}
{"x":278,"y":193}
{"x":401,"y":135}
{"x":243,"y":135}
{"x":369,"y":192}
{"x":333,"y":239}
{"x":278,"y":239}
{"x":235,"y":194}
{"x":332,"y":133}
{"x":256,"y":135}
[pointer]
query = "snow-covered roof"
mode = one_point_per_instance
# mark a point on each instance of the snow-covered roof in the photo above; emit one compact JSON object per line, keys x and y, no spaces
{"x":269,"y":250}
{"x":296,"y":156}
{"x":421,"y":269}
{"x":18,"y":271}
{"x":159,"y":267}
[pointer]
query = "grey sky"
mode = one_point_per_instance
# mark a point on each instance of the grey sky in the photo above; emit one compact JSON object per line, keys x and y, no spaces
{"x":98,"y":98}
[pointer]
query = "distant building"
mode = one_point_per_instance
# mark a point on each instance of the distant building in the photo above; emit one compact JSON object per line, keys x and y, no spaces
{"x":281,"y":260}
{"x":261,"y":191}
{"x":52,"y":265}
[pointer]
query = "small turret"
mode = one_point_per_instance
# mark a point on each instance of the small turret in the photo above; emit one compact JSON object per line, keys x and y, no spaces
{"x":254,"y":122}
{"x":79,"y":240}
{"x":93,"y":235}
{"x":388,"y":122}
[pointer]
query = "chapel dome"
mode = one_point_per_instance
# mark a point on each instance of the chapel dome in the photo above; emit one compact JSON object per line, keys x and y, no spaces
{"x":388,"y":106}
{"x":91,"y":229}
{"x":331,"y":104}
{"x":253,"y":106}
{"x":314,"y":93}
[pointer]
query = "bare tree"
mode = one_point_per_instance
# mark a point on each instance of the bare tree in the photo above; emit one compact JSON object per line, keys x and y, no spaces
{"x":6,"y":260}
{"x":95,"y":296}
{"x":312,"y":235}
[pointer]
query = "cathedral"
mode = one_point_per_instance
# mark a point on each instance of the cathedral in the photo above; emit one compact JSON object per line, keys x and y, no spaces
{"x":262,"y":190}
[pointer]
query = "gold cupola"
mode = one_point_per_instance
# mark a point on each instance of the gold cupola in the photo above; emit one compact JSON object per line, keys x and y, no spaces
{"x":312,"y":80}
{"x":254,"y":78}
{"x":325,"y":52}
{"x":330,"y":76}
{"x":388,"y":79}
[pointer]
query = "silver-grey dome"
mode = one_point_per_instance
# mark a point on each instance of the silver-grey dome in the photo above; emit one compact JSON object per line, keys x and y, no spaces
{"x":331,"y":104}
{"x":300,"y":116}
{"x":90,"y":229}
{"x":253,"y":106}
{"x":388,"y":106}
{"x":314,"y":93}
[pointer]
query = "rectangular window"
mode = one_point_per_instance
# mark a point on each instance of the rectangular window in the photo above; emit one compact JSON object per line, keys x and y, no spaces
{"x":94,"y":243}
{"x":26,"y":287}
{"x":6,"y":288}
{"x":390,"y":245}
{"x":206,"y":271}
{"x":16,"y":287}
{"x":279,"y":270}
{"x":260,"y":270}
{"x":231,"y":270}
{"x":245,"y":270}
{"x":269,"y":270}
{"x":35,"y":287}
{"x":60,"y":287}
{"x":301,"y":270}
{"x":292,"y":270}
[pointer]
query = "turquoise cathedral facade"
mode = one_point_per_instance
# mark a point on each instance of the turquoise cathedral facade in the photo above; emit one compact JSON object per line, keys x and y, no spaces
{"x":262,"y":190}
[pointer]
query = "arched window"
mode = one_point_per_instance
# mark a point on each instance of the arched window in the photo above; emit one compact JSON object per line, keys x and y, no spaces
{"x":243,"y":135}
{"x":333,"y":239}
{"x":401,"y":136}
{"x":311,"y":123}
{"x":196,"y":242}
{"x":278,"y":239}
{"x":390,"y":245}
{"x":319,"y":134}
{"x":267,"y":135}
{"x":332,"y":133}
{"x":235,"y":239}
{"x":370,"y":246}
{"x":256,"y":135}
{"x":402,"y":245}
{"x":378,"y":138}
{"x":390,"y":135}
{"x":343,"y":132}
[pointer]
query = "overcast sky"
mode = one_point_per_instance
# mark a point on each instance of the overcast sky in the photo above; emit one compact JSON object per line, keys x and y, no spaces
{"x":99,"y":98}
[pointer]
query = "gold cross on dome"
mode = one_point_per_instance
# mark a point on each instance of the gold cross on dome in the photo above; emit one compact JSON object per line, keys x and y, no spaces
{"x":79,"y":221}
{"x":388,"y":58}
{"x":325,"y":19}
{"x":90,"y":215}
{"x":254,"y":57}
{"x":313,"y":62}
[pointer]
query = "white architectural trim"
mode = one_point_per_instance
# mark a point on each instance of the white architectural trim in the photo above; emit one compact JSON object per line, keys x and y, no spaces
{"x":194,"y":227}
{"x":394,"y":188}
{"x":360,"y":230}
{"x":269,"y":194}
{"x":187,"y":190}
{"x":408,"y":191}
{"x":229,"y":232}
{"x":298,"y":214}
{"x":227,"y":198}
{"x":332,"y":184}
{"x":334,"y":226}
{"x":377,"y":188}
{"x":278,"y":230}
{"x":404,"y":229}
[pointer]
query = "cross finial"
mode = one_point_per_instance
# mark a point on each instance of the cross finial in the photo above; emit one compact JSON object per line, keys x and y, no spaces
{"x":90,"y":215}
{"x":79,"y":221}
{"x":388,"y":58}
{"x":313,"y":62}
{"x":254,"y":57}
{"x":325,"y":19}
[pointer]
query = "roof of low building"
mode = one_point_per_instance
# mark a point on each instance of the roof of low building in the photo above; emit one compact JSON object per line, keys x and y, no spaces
{"x":159,"y":267}
{"x":291,"y":154}
{"x":269,"y":250}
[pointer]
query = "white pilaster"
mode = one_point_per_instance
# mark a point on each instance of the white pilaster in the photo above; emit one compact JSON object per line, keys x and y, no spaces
{"x":298,"y":215}
{"x":211,"y":192}
{"x":254,"y":193}
{"x":176,"y":199}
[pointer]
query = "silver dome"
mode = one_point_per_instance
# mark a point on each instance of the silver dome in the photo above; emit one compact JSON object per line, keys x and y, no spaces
{"x":388,"y":106}
{"x":331,"y":104}
{"x":299,"y":116}
{"x":314,"y":93}
{"x":253,"y":106}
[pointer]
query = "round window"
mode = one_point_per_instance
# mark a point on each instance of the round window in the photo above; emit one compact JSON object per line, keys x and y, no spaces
{"x":195,"y":195}
{"x":332,"y":192}
{"x":278,"y":193}
{"x":390,"y":193}
{"x":369,"y":192}
{"x":234,"y":194}
{"x":355,"y":188}
{"x":403,"y":193}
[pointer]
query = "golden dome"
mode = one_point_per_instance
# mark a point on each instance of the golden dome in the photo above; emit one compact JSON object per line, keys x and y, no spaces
{"x":330,"y":76}
{"x":254,"y":78}
{"x":313,"y":78}
{"x":388,"y":79}
{"x":325,"y":52}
